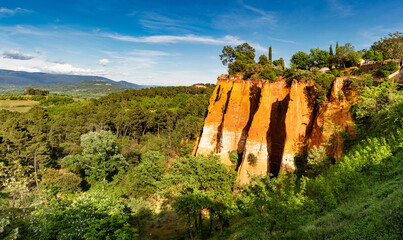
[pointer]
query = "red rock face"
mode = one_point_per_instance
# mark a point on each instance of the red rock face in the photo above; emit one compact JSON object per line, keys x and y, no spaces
{"x":266,"y":123}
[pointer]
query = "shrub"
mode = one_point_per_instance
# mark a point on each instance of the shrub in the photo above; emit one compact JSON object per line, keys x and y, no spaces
{"x":60,"y":181}
{"x":252,"y":159}
{"x":37,"y":97}
{"x":382,"y":73}
{"x":337,"y":73}
{"x":318,"y":160}
{"x":297,"y":74}
{"x":233,"y":156}
{"x":340,"y":95}
{"x":356,"y":72}
{"x":391,"y":66}
{"x":323,"y":82}
{"x":94,"y":216}
{"x":359,"y":82}
{"x":267,"y":73}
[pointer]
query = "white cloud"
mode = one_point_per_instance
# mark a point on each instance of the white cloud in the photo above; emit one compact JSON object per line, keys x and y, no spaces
{"x":6,"y":12}
{"x":14,"y":54}
{"x":103,"y":62}
{"x":40,"y":65}
{"x":185,"y":38}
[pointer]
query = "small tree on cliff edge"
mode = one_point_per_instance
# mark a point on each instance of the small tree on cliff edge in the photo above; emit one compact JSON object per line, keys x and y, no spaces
{"x":239,"y":59}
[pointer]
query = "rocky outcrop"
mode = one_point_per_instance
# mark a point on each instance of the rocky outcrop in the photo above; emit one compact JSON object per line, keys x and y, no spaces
{"x":332,"y":117}
{"x":267,"y":123}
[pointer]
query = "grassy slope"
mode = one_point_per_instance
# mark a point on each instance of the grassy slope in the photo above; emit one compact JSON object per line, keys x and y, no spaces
{"x":373,"y":211}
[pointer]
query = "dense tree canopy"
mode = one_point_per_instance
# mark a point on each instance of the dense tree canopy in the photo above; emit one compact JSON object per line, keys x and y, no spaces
{"x":300,"y":60}
{"x":390,"y":47}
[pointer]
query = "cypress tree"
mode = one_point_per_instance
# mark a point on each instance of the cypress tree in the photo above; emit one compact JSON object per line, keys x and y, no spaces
{"x":337,"y":47}
{"x":270,"y":55}
{"x":331,"y":50}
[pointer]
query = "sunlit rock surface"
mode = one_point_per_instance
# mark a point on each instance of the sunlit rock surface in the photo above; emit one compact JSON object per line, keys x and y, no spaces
{"x":269,"y":121}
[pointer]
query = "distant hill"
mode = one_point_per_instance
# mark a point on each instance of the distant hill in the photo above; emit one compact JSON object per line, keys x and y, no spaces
{"x":82,"y":89}
{"x":14,"y":79}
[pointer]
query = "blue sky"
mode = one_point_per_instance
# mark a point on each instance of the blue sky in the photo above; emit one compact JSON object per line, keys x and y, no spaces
{"x":177,"y":42}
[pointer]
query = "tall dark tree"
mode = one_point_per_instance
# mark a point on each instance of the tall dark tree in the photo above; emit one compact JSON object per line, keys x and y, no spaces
{"x":270,"y":54}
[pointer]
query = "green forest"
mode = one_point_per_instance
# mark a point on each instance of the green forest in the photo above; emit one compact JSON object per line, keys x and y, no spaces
{"x":122,"y":166}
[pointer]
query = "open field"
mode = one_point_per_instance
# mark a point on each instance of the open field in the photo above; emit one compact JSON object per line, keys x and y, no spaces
{"x":17,"y":105}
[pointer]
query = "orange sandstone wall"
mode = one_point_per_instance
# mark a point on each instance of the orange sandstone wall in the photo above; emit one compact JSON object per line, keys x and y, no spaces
{"x":272,"y":96}
{"x":332,"y":116}
{"x":298,"y":116}
{"x":213,"y":121}
{"x":272,"y":121}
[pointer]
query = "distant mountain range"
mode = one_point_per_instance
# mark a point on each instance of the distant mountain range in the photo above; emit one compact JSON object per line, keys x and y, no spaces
{"x":15,"y":79}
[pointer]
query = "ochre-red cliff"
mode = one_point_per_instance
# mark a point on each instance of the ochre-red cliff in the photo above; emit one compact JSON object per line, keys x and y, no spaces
{"x":268,"y":123}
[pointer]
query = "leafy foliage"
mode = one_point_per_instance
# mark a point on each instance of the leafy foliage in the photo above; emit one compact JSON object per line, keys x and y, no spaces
{"x":197,"y":183}
{"x":100,"y":159}
{"x":323,"y":83}
{"x":300,"y":60}
{"x":94,"y":216}
{"x":391,"y":47}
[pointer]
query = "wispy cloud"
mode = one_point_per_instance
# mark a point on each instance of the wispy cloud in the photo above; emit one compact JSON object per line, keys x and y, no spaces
{"x":267,"y":16}
{"x":149,"y":53}
{"x":6,"y":12}
{"x":14,"y":54}
{"x":157,"y":21}
{"x":340,"y":8}
{"x":24,"y":29}
{"x":185,"y":38}
{"x":281,"y":40}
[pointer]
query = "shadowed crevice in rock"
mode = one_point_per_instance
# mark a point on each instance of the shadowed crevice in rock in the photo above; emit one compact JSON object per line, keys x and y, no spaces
{"x":254,"y":99}
{"x":220,"y":127}
{"x":276,"y":135}
{"x":309,"y":94}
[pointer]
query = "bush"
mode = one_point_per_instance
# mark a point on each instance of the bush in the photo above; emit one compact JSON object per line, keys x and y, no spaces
{"x":356,"y":72}
{"x":33,"y":91}
{"x":340,"y":95}
{"x":391,"y":66}
{"x":318,"y":160}
{"x":252,"y":159}
{"x":337,"y":73}
{"x":382,"y":73}
{"x":323,"y":82}
{"x":359,"y":82}
{"x":267,"y":73}
{"x":297,"y":74}
{"x":233,"y":156}
{"x":60,"y":181}
{"x":56,"y":100}
{"x":387,"y":69}
{"x":37,"y":97}
{"x":94,"y":216}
